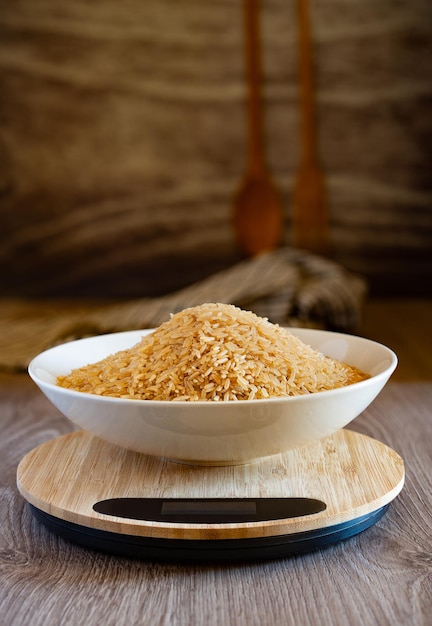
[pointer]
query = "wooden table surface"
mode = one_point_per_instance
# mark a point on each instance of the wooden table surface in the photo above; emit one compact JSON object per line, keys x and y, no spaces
{"x":382,"y":576}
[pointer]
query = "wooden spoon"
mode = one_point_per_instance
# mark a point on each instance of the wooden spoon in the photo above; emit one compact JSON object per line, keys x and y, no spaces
{"x":310,"y":215}
{"x":257,"y":212}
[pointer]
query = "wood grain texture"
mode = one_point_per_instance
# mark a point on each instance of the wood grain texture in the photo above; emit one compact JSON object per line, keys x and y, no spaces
{"x":381,"y":577}
{"x":352,"y":474}
{"x":123,"y":139}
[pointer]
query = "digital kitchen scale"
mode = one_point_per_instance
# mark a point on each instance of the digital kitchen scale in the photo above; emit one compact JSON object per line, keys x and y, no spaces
{"x":108,"y":498}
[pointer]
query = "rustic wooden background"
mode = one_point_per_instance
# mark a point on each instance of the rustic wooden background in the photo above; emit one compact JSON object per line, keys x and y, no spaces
{"x":122,"y":139}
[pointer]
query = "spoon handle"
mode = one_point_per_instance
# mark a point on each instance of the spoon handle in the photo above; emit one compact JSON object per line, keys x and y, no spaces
{"x":252,"y":42}
{"x":310,"y":211}
{"x":307,"y":117}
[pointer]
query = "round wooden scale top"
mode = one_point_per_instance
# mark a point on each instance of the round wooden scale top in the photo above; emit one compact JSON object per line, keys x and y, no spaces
{"x":351,"y":473}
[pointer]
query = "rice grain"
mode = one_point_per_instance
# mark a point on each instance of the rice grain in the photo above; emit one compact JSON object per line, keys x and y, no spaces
{"x":215,"y":352}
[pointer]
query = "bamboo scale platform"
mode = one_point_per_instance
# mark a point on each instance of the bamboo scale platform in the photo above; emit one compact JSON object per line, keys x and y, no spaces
{"x":352,"y":474}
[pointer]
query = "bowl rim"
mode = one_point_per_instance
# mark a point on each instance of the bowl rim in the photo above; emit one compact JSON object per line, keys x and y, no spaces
{"x":386,"y":373}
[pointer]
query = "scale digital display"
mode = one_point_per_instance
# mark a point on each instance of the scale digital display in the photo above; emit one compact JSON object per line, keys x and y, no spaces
{"x":208,"y":507}
{"x":209,"y":510}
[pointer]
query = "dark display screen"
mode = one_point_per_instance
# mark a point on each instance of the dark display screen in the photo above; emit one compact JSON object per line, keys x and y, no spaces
{"x":209,"y":511}
{"x":209,"y":507}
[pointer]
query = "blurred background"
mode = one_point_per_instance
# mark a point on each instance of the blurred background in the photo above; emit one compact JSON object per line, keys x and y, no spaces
{"x":123,"y":139}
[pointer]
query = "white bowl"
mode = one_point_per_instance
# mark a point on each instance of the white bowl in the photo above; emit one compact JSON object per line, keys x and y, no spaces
{"x":214,"y":433}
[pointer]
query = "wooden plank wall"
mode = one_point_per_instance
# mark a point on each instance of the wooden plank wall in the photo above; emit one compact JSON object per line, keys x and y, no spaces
{"x":122,"y":139}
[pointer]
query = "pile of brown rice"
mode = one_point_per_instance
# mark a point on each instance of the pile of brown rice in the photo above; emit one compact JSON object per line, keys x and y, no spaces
{"x":213,"y":352}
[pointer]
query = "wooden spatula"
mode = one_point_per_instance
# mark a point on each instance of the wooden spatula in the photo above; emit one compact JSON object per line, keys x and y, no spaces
{"x":310,"y":213}
{"x":257,"y":211}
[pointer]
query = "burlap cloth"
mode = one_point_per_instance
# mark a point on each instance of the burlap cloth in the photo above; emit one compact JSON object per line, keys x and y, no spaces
{"x":290,"y":287}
